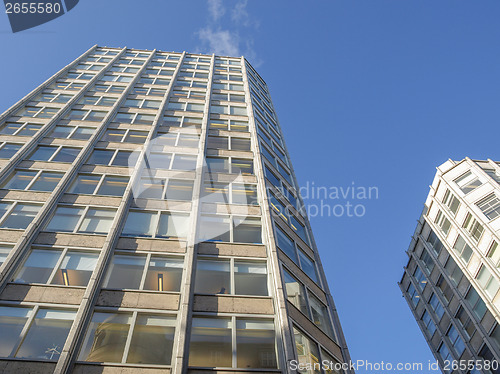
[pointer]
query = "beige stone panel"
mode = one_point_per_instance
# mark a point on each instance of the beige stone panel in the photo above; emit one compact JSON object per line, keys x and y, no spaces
{"x":76,"y":240}
{"x":45,"y":294}
{"x":233,"y":304}
{"x":24,"y":195}
{"x":153,"y":245}
{"x":25,"y":367}
{"x":116,"y":369}
{"x":143,"y":300}
{"x":10,"y":236}
{"x":232,"y":249}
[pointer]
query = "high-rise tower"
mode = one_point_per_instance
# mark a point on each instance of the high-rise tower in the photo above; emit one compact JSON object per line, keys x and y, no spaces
{"x":150,"y":222}
{"x":451,"y":281}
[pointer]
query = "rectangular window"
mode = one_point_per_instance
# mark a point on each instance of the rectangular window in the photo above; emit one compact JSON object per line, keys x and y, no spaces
{"x":473,"y":227}
{"x":462,"y":249}
{"x":451,"y":201}
{"x":307,"y":352}
{"x":436,"y":306}
{"x":467,"y":182}
{"x":295,"y":292}
{"x":456,"y":341}
{"x":85,"y":220}
{"x":233,"y":342}
{"x":156,"y":224}
{"x":144,"y":272}
{"x":231,"y":277}
{"x":476,"y":303}
{"x":62,"y":267}
{"x":488,"y":282}
{"x":443,"y":222}
{"x":32,"y":180}
{"x":428,"y":323}
{"x":151,"y":340}
{"x":490,"y":206}
{"x":17,"y":215}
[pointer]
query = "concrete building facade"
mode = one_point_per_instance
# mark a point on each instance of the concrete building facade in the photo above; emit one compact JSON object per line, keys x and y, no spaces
{"x":451,"y":281}
{"x":151,"y":222}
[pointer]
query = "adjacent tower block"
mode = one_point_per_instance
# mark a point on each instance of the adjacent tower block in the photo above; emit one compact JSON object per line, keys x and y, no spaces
{"x":451,"y":282}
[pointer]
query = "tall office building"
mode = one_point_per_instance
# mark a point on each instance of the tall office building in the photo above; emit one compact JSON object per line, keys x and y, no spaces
{"x":150,"y":222}
{"x":451,"y":281}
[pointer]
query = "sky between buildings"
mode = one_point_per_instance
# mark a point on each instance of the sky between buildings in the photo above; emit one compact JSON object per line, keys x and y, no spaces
{"x":369,"y":93}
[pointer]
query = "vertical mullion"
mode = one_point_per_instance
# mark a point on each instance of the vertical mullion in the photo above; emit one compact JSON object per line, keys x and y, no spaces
{"x":233,"y":342}
{"x":126,"y":349}
{"x":24,"y":331}
{"x":57,"y":265}
{"x":145,"y":271}
{"x":33,"y":180}
{"x":231,"y":275}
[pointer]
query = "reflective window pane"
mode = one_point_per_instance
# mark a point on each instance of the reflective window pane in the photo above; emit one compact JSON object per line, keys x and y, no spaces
{"x":250,"y":278}
{"x":210,"y":343}
{"x":255,"y":343}
{"x":47,"y":334}
{"x":76,"y":269}
{"x":164,"y":274}
{"x":125,"y":272}
{"x":38,"y":266}
{"x":213,"y":277}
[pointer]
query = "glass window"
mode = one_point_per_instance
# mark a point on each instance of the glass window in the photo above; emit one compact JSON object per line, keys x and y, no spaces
{"x":211,"y":342}
{"x":213,"y":277}
{"x":152,"y":340}
{"x":241,"y":166}
{"x":217,"y":165}
{"x":295,"y":292}
{"x":490,"y":206}
{"x":164,"y":274}
{"x":255,"y":343}
{"x":66,"y":154}
{"x":97,"y":221}
{"x":100,"y":157}
{"x":173,"y":225}
{"x":308,"y":353}
{"x":286,"y":244}
{"x":38,"y":266}
{"x":250,"y":278}
{"x":4,"y":252}
{"x":12,"y":322}
{"x":215,"y":192}
{"x":21,"y":216}
{"x":106,"y":337}
{"x":307,"y":265}
{"x":215,"y":228}
{"x":179,"y":190}
{"x":244,"y":194}
{"x":140,"y":223}
{"x":43,"y":153}
{"x":319,"y":315}
{"x":184,"y":162}
{"x":65,"y":219}
{"x":46,"y":181}
{"x":75,"y":269}
{"x":125,"y":272}
{"x":85,"y":184}
{"x":113,"y":186}
{"x":247,"y":230}
{"x":19,"y":180}
{"x":47,"y":334}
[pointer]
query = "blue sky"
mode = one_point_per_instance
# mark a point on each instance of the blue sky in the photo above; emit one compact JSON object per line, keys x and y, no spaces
{"x":377,"y":93}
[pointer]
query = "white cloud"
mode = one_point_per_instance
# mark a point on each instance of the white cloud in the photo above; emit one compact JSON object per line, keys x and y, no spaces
{"x":216,"y":9}
{"x":220,"y":42}
{"x":240,"y":14}
{"x":222,"y":35}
